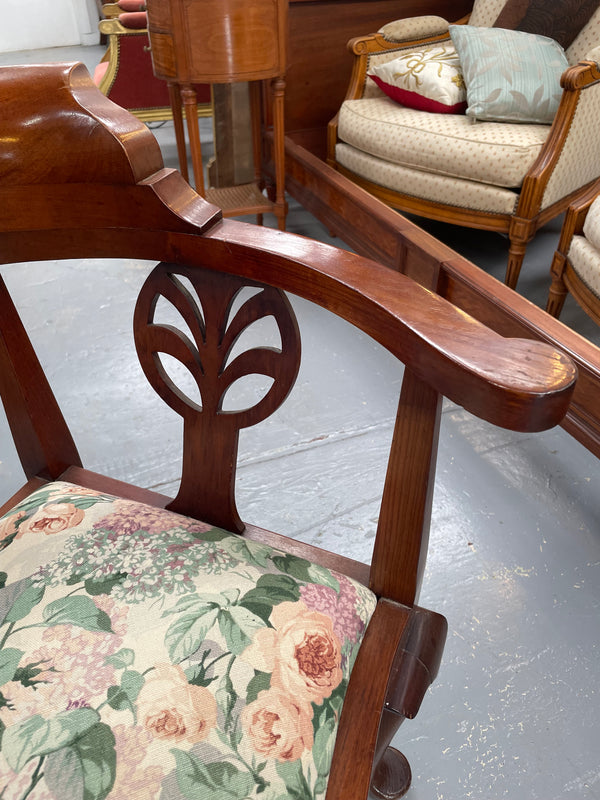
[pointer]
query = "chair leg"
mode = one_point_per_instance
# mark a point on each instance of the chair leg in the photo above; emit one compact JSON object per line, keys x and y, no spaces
{"x":558,"y":290}
{"x":391,"y":772}
{"x":516,"y":254}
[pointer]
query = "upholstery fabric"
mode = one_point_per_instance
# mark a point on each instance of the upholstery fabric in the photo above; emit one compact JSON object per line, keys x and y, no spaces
{"x":147,"y":655}
{"x":587,"y":40}
{"x":579,"y":161}
{"x":429,"y":80}
{"x":485,"y":12}
{"x":401,"y":30}
{"x":445,"y":144}
{"x":510,"y":76}
{"x":585,"y":260}
{"x":561,"y":20}
{"x":591,"y":225}
{"x":425,"y":185}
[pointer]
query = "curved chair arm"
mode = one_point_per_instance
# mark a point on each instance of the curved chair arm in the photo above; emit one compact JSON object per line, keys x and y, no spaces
{"x":570,"y":157}
{"x":414,"y":28}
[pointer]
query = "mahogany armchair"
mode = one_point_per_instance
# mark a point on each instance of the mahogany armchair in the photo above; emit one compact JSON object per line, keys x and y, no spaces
{"x":162,"y":643}
{"x":497,"y":172}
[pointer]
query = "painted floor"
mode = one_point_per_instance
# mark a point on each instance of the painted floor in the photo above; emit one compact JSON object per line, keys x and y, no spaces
{"x":514,"y":561}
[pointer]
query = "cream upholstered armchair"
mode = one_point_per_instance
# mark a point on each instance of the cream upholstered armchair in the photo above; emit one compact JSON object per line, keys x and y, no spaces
{"x":518,"y":156}
{"x":576,"y":262}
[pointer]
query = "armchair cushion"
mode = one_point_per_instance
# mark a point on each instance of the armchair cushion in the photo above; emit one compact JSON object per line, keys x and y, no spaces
{"x":449,"y":144}
{"x":145,"y":650}
{"x":561,"y":20}
{"x":591,"y":225}
{"x":585,"y":260}
{"x":428,"y":79}
{"x":510,"y":76}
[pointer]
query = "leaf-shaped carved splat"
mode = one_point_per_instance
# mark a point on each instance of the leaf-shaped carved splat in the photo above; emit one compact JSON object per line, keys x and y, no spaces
{"x":204,"y":301}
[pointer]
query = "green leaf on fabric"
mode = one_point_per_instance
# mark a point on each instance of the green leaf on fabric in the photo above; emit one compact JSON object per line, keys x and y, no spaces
{"x":250,"y":552}
{"x":79,"y":611}
{"x":106,"y":585}
{"x":194,"y":604}
{"x":123,"y":697}
{"x":220,"y":780}
{"x":213,"y":535}
{"x":9,"y":661}
{"x":86,"y":769}
{"x":238,"y":625}
{"x":186,"y":633}
{"x":293,"y":777}
{"x":259,"y":683}
{"x":36,"y":736}
{"x":323,"y":576}
{"x":23,"y":596}
{"x":122,"y":658}
{"x":270,"y":590}
{"x":298,"y":568}
{"x":323,"y":746}
{"x":27,"y":675}
{"x":226,"y":698}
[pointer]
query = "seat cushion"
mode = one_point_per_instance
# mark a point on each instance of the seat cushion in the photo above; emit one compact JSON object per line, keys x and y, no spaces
{"x":585,"y":260}
{"x":496,"y":153}
{"x":148,"y":655}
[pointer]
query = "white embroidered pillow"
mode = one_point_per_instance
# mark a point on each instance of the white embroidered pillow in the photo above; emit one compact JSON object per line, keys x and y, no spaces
{"x":428,"y":80}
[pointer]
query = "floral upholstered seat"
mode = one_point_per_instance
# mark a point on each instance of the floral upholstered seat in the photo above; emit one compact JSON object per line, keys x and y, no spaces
{"x":154,"y":651}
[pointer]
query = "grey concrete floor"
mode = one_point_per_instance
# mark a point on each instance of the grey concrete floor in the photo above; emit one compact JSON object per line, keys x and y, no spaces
{"x":515,"y":544}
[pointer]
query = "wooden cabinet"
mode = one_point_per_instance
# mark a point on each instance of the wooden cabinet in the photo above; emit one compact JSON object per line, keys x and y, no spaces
{"x":225,"y":42}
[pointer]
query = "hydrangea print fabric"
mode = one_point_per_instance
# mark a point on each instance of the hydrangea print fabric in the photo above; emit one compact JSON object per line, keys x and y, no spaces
{"x":146,"y":655}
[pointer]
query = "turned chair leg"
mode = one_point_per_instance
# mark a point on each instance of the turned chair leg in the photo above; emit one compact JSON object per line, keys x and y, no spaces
{"x":516,"y":254}
{"x":391,"y":776}
{"x":558,"y":290}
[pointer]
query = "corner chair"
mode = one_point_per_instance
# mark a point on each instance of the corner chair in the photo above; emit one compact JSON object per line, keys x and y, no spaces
{"x":507,"y":177}
{"x":161,"y":642}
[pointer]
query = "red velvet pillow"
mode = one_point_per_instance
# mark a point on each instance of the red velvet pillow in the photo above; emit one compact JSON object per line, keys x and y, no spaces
{"x":134,"y":19}
{"x":131,"y":5}
{"x":418,"y":101}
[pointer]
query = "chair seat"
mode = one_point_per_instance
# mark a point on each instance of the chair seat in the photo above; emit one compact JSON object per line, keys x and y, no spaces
{"x":585,"y":260}
{"x":146,"y":651}
{"x":450,"y":145}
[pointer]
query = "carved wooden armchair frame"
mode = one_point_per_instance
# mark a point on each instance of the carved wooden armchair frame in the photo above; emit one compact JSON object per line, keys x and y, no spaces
{"x":77,"y":165}
{"x":566,"y":166}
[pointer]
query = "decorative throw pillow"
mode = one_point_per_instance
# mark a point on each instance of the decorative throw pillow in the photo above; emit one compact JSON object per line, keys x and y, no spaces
{"x":561,"y":20}
{"x":428,"y":80}
{"x":510,"y":76}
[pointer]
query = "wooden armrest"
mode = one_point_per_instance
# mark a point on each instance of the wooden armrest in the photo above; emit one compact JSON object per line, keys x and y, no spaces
{"x":416,"y":662}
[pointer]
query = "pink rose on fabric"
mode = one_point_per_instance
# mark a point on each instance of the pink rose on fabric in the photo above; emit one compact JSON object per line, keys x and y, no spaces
{"x":171,"y":708}
{"x":301,"y":651}
{"x":279,"y":726}
{"x":8,"y":525}
{"x":52,"y":518}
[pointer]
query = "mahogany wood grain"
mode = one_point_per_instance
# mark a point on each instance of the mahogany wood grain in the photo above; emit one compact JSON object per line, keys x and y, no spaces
{"x":53,"y":211}
{"x":372,"y":228}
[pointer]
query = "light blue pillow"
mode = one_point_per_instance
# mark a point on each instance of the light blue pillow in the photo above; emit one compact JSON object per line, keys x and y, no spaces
{"x":511,"y":76}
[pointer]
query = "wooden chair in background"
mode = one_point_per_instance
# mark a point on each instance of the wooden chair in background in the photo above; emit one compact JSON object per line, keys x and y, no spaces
{"x":165,"y":640}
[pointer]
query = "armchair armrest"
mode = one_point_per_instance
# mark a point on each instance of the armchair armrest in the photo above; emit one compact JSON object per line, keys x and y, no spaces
{"x":570,"y":158}
{"x":414,"y":28}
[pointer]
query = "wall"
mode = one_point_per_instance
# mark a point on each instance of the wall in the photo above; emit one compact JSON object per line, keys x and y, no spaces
{"x":35,"y":24}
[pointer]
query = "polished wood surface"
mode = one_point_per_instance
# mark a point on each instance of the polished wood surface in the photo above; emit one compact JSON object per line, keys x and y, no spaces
{"x":214,"y":42}
{"x":68,"y":202}
{"x":375,"y":230}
